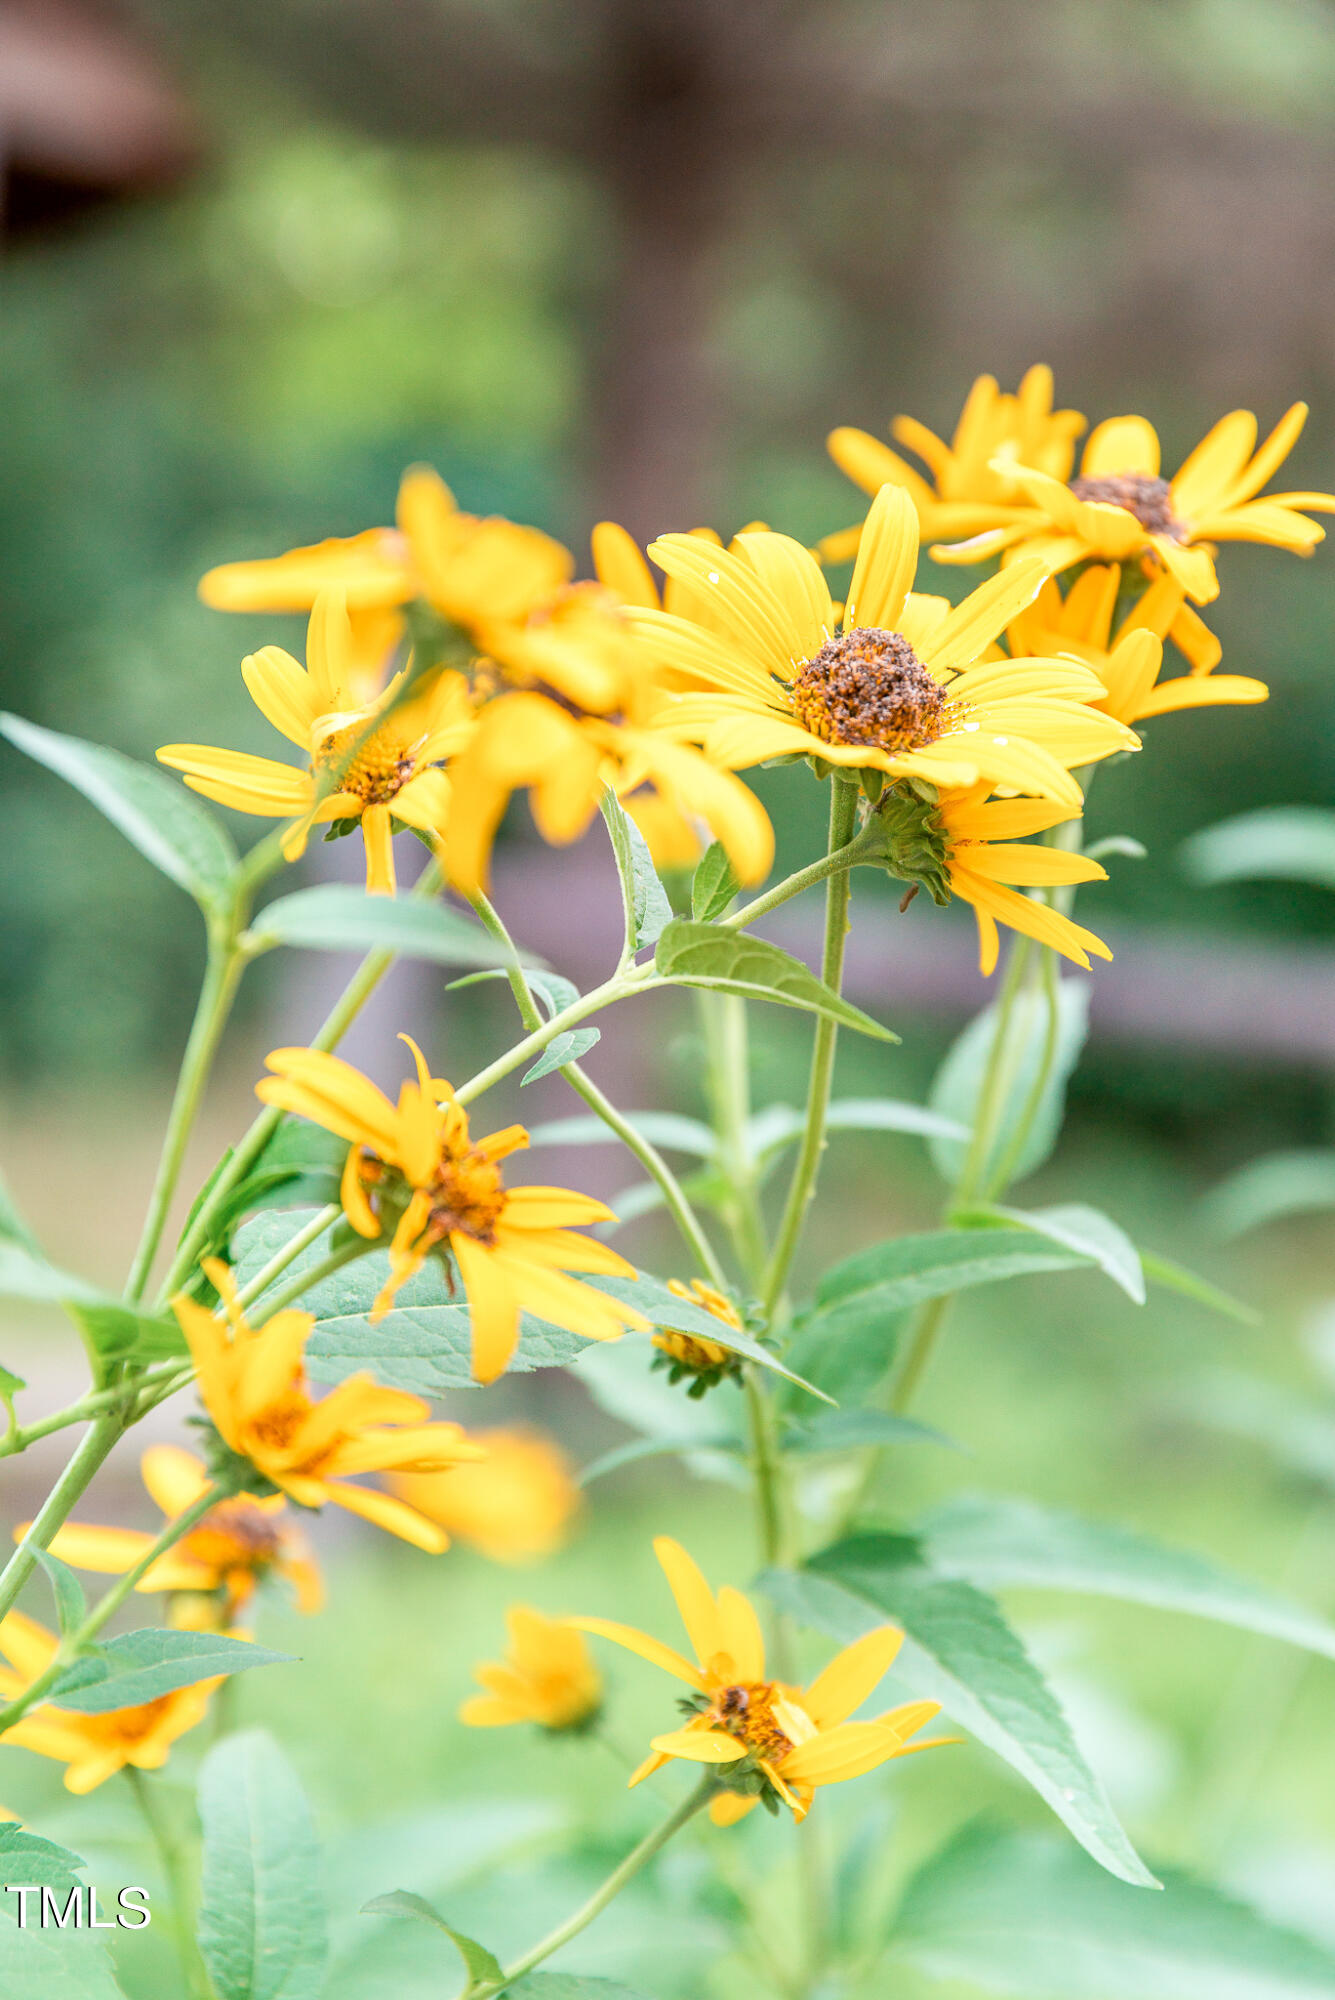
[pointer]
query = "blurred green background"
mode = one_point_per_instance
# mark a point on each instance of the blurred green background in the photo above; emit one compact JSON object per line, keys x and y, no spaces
{"x":607,"y":259}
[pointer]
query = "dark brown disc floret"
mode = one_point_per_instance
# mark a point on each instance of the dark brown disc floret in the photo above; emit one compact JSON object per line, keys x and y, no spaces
{"x":869,"y":688}
{"x":1148,"y":498}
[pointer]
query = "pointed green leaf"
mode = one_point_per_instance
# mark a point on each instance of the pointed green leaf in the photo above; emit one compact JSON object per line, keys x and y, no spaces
{"x":1297,"y":1431}
{"x":847,"y":1350}
{"x":636,"y":1449}
{"x":851,"y":1430}
{"x":71,"y":1604}
{"x":1269,"y":1189}
{"x":262,"y":1925}
{"x":646,"y":903}
{"x":10,"y":1385}
{"x":1175,"y":1277}
{"x":998,"y":1544}
{"x":652,"y":1298}
{"x":961,"y":1652}
{"x":1278,"y":843}
{"x":910,"y":1269}
{"x":168,"y":823}
{"x":1021,"y":1914}
{"x":26,"y":1857}
{"x":713,"y":885}
{"x":136,"y":1667}
{"x":566,"y":1048}
{"x":338,"y":917}
{"x":957,"y":1089}
{"x":778,"y":1125}
{"x":53,"y":1964}
{"x":25,"y":1274}
{"x":119,"y":1333}
{"x":1079,"y":1228}
{"x":479,"y":1963}
{"x":691,"y":954}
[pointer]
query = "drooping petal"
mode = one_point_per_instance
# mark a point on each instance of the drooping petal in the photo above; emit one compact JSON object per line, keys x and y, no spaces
{"x":493,"y":1305}
{"x":641,"y":1643}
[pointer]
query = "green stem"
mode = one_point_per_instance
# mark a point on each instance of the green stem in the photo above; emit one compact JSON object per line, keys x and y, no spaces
{"x":222,"y":975}
{"x":1002,"y":1174}
{"x":847,"y":855}
{"x":306,"y":1281}
{"x":92,"y":1450}
{"x":610,"y":1890}
{"x":926,"y":1334}
{"x":291,"y":1250}
{"x":171,"y":1856}
{"x":991,"y":1095}
{"x":619,"y":987}
{"x":843,"y":817}
{"x":74,"y":1413}
{"x":766,"y":1469}
{"x":726,"y":1039}
{"x":674,"y":1195}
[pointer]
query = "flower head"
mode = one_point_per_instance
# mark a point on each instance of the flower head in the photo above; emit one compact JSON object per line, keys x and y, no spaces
{"x":767,"y":1740}
{"x":91,"y":1747}
{"x":969,"y":485}
{"x":895,"y":685}
{"x":691,"y":1357}
{"x":417,"y":1162}
{"x":1120,"y":509}
{"x":1128,"y":659}
{"x":515,"y":1505}
{"x":214,"y":1569}
{"x":384,"y":771}
{"x":547,"y":1677}
{"x":253,"y":1384}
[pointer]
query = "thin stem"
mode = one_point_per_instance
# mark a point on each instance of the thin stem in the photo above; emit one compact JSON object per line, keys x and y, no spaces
{"x":222,"y":975}
{"x":991,"y":1095}
{"x":766,"y":1469}
{"x":1002,"y":1174}
{"x":306,"y":1281}
{"x":843,"y":816}
{"x":619,"y":987}
{"x":289,"y":1252}
{"x":610,"y":1890}
{"x":838,"y":862}
{"x":92,"y":1450}
{"x":674,"y":1195}
{"x":171,"y":1856}
{"x":726,"y":1039}
{"x":74,"y":1413}
{"x":928,"y":1328}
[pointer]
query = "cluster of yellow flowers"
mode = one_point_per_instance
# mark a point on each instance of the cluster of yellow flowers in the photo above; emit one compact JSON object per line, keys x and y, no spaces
{"x":452,"y":661}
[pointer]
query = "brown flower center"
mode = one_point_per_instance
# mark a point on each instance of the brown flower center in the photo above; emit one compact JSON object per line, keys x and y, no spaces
{"x":467,"y":1194}
{"x":379,"y":771}
{"x":1148,"y":498}
{"x":237,"y":1530}
{"x":869,"y":687}
{"x":746,"y":1711}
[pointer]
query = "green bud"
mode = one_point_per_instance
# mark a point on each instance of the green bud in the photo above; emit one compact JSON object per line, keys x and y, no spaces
{"x":912,"y":840}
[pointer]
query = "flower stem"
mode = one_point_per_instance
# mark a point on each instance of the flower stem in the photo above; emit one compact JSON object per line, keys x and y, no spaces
{"x":222,"y":975}
{"x":171,"y":1855}
{"x":290,"y":1251}
{"x":726,"y":1040}
{"x":843,"y":817}
{"x":611,"y":1888}
{"x":307,"y":1280}
{"x":837,"y":862}
{"x":648,"y":1155}
{"x":92,"y":1450}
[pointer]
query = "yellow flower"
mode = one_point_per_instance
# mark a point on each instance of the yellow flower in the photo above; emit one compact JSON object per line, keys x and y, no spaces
{"x":547,"y":1677}
{"x":690,"y":1354}
{"x":971,"y":487}
{"x":896,"y":688}
{"x":767,"y":1739}
{"x":1120,"y":509}
{"x":394,"y":775}
{"x":512,"y":1246}
{"x":92,"y":1747}
{"x":514,"y":1505}
{"x":253,"y":1384}
{"x":236,"y":1545}
{"x":985,"y":852}
{"x":1128,"y":661}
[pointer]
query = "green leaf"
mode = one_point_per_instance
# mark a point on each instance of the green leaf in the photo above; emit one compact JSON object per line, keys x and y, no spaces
{"x":636,"y":1449}
{"x":338,"y":917}
{"x":566,"y":1048}
{"x":1300,"y":1435}
{"x":960,"y":1651}
{"x":26,"y":1857}
{"x":568,"y":1986}
{"x":691,"y":954}
{"x":667,"y":1129}
{"x":1086,"y":1230}
{"x":1266,"y":1190}
{"x":1177,"y":1278}
{"x":25,"y":1274}
{"x":119,"y":1333}
{"x":998,"y":1544}
{"x":665,"y":1309}
{"x":555,"y":992}
{"x":71,"y":1604}
{"x":909,"y":1269}
{"x":54,"y":1964}
{"x":1278,"y":843}
{"x":169,"y":824}
{"x":1025,"y":1915}
{"x":849,"y":1430}
{"x":957,"y":1087}
{"x":10,"y":1385}
{"x":847,"y":1350}
{"x":479,"y":1963}
{"x":648,"y":910}
{"x":713,"y":885}
{"x":137,"y":1667}
{"x":779,"y":1124}
{"x":262,"y":1927}
{"x":1117,"y":843}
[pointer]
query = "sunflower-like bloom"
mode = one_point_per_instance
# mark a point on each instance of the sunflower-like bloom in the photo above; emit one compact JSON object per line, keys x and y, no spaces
{"x":236,"y":1546}
{"x":547,"y":1677}
{"x":394,"y":773}
{"x":1128,"y":660}
{"x":969,"y":487}
{"x":1120,"y":509}
{"x":895,"y":687}
{"x":515,"y":1505}
{"x":768,"y":1740}
{"x":417,"y":1163}
{"x":987,"y":860}
{"x":253,"y":1384}
{"x":91,"y":1747}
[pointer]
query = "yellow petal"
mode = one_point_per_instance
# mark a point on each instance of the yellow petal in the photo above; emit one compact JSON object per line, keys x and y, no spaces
{"x":647,"y":1648}
{"x":701,"y":1746}
{"x":887,"y":562}
{"x":852,"y":1676}
{"x":1121,"y":445}
{"x":175,"y":1478}
{"x":493,"y":1306}
{"x":739,"y":1634}
{"x":694,"y":1598}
